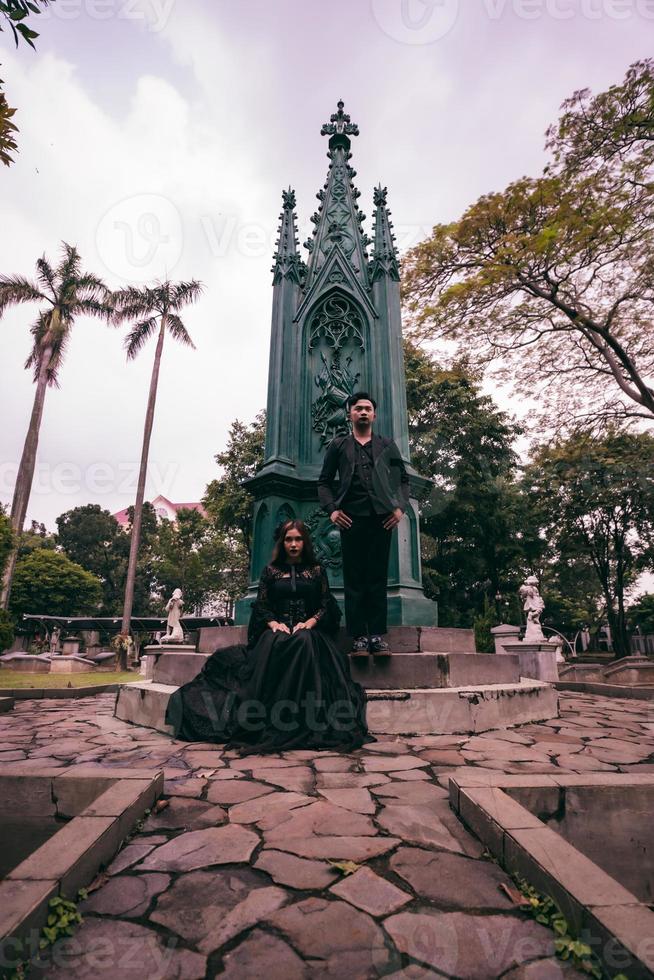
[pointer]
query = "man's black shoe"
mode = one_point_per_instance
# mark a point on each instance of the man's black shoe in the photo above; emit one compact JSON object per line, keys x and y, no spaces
{"x":359,"y":647}
{"x":379,"y":647}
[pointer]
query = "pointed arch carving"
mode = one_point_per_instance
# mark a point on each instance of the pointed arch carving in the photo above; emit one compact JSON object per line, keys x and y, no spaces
{"x":336,"y":333}
{"x":284,"y":513}
{"x":338,"y":320}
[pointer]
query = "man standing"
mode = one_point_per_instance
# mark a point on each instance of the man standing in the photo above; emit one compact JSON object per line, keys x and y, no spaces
{"x":366,"y":503}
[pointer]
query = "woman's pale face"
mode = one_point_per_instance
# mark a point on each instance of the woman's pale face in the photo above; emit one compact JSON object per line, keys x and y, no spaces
{"x":293,"y":544}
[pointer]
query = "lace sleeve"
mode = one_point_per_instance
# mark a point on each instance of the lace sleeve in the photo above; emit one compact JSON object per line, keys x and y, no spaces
{"x":327,"y":614}
{"x":262,"y":608}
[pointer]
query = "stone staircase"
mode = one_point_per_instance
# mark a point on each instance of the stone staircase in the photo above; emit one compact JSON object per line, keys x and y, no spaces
{"x":636,"y":670}
{"x":423,"y":657}
{"x":434,"y":682}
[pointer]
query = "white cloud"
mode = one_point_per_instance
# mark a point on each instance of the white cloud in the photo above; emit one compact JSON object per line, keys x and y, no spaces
{"x":161,"y":184}
{"x":168,"y":161}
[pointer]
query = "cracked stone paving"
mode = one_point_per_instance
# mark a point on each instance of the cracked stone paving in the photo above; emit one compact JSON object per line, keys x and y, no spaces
{"x":237,"y":877}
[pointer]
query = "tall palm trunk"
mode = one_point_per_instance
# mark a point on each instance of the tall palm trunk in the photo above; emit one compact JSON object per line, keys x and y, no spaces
{"x":25,"y":473}
{"x":140,"y":490}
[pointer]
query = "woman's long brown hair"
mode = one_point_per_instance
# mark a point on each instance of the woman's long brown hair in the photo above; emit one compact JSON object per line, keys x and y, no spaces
{"x":308,"y":556}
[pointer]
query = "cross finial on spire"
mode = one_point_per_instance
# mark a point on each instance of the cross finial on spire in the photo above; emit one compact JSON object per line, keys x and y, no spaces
{"x":379,"y":196}
{"x":288,"y":197}
{"x":339,"y":124}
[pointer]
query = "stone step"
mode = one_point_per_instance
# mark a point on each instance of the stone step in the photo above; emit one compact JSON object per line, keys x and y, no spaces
{"x":437,"y":639}
{"x":634,"y":670}
{"x":434,"y":670}
{"x":582,"y":672}
{"x":406,"y":670}
{"x":457,"y":710}
{"x":178,"y":668}
{"x":401,"y":639}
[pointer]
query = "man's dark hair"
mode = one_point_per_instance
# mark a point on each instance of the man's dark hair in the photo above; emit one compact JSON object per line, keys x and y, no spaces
{"x":360,"y":396}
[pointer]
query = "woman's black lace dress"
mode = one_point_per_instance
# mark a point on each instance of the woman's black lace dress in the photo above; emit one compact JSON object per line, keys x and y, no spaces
{"x":280,"y":691}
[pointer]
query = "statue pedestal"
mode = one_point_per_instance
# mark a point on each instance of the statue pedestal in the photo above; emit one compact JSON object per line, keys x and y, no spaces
{"x":504,"y":634}
{"x":153,"y":651}
{"x":537,"y":660}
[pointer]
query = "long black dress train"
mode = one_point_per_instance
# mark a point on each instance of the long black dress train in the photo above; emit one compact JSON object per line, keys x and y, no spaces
{"x":280,"y":691}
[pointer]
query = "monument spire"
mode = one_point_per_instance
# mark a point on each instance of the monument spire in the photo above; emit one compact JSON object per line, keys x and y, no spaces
{"x":288,"y":272}
{"x":338,"y":221}
{"x":336,"y":328}
{"x":341,"y":126}
{"x":384,"y":256}
{"x":287,"y":261}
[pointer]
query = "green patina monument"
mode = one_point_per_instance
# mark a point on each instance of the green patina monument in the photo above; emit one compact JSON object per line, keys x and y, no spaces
{"x":336,"y":328}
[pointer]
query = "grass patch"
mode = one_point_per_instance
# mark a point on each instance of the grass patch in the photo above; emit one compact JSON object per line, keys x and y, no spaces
{"x":17,"y":679}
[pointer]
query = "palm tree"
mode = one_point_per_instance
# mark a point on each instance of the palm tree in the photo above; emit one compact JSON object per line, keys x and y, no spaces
{"x":67,"y":292}
{"x":154,"y":308}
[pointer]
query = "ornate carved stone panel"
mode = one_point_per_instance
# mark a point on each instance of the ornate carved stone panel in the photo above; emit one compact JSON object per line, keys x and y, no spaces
{"x":336,"y":345}
{"x":326,"y":539}
{"x":337,"y":320}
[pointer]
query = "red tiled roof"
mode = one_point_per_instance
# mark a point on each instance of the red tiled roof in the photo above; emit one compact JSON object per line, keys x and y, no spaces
{"x":123,"y":519}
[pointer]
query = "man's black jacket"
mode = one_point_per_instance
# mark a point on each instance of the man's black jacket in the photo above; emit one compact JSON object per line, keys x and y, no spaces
{"x":389,"y":476}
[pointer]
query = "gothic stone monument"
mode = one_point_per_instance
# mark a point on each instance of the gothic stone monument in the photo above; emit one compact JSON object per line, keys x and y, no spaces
{"x":336,"y":328}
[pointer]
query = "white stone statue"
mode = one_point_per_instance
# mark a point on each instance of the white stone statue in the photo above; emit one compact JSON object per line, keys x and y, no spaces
{"x":54,"y":640}
{"x":174,"y":607}
{"x":533,"y":606}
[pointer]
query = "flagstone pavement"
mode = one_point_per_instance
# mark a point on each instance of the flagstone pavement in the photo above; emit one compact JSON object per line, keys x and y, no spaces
{"x":235,"y":877}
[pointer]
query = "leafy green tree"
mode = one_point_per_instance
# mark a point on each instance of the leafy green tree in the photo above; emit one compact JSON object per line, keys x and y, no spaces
{"x":36,"y":536}
{"x":6,"y":630}
{"x":48,"y":583}
{"x":6,"y":538}
{"x":476,"y":541}
{"x":594,"y":501}
{"x":94,"y":539}
{"x":146,"y":599}
{"x":226,"y":499}
{"x":66,"y":292}
{"x":8,"y":129}
{"x":14,"y":14}
{"x":641,"y":614}
{"x":551,"y":279}
{"x":572,"y":593}
{"x":6,"y":547}
{"x":156,"y":311}
{"x":191,"y":556}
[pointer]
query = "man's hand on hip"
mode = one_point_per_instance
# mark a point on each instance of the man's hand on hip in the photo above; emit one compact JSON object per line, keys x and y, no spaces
{"x":393,"y":519}
{"x":340,"y":518}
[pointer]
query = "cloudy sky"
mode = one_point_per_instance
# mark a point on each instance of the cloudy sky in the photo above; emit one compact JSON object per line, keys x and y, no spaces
{"x":156,"y":135}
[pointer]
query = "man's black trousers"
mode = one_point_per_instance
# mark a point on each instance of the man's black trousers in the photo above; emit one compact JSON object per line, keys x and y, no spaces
{"x":366,"y":549}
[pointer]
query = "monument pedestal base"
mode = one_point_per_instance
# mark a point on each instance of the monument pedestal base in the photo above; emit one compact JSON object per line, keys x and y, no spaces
{"x":406,"y":607}
{"x":434,"y":683}
{"x":428,"y":711}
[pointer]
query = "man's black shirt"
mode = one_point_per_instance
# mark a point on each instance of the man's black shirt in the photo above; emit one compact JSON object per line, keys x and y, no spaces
{"x":389,"y":478}
{"x":361,"y":499}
